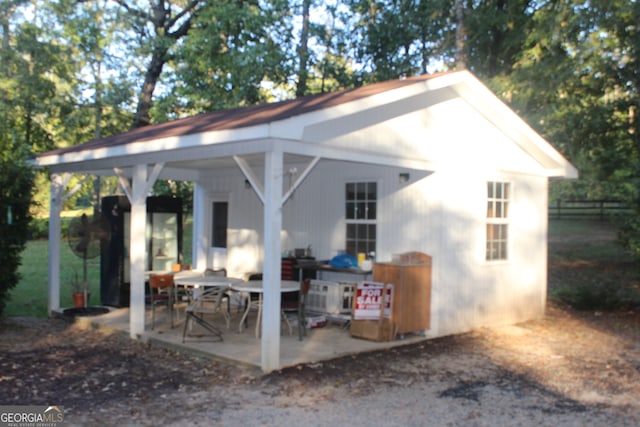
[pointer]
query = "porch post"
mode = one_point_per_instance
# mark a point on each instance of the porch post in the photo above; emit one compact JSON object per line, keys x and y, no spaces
{"x":137,"y":250}
{"x":200,"y":239}
{"x":57,"y":197}
{"x":273,"y":180}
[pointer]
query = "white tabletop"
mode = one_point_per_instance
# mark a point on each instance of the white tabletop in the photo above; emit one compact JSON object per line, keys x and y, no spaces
{"x":257,"y":286}
{"x":199,"y":280}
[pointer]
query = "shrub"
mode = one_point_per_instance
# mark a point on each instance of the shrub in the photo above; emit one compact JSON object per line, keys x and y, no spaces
{"x":598,"y":296}
{"x":16,"y":187}
{"x":39,"y":228}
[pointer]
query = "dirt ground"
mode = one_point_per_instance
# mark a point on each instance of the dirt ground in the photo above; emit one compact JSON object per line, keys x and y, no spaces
{"x":566,"y":369}
{"x":571,"y":368}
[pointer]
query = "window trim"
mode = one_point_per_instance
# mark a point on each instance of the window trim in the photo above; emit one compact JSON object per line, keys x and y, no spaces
{"x":505,"y":204}
{"x":361,"y":221}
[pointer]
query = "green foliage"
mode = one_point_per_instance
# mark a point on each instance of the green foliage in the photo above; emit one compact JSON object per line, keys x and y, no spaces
{"x":231,"y":49}
{"x":402,"y":38}
{"x":181,"y":189}
{"x":496,"y":33}
{"x":16,"y":183}
{"x":39,"y":228}
{"x":593,"y":296}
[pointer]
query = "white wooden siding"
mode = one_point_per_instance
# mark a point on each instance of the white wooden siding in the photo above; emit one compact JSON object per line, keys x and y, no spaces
{"x":442,"y":214}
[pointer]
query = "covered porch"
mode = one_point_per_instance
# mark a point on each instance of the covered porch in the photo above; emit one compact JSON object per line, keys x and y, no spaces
{"x":320,"y":344}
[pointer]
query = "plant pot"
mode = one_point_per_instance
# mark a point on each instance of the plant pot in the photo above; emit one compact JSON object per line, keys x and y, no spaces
{"x":78,"y":299}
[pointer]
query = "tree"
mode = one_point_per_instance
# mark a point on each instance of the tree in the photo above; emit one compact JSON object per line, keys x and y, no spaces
{"x":233,"y":48}
{"x":303,"y":50}
{"x":496,"y":31}
{"x":398,"y":38}
{"x":167,"y":24}
{"x":331,"y":64}
{"x":16,"y":178}
{"x":16,"y":187}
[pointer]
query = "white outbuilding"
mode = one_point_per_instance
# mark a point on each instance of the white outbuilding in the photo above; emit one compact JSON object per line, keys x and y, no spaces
{"x":435,"y":164}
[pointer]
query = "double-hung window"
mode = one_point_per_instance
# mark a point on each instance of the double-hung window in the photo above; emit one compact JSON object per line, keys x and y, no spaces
{"x":361,"y":201}
{"x":498,"y":198}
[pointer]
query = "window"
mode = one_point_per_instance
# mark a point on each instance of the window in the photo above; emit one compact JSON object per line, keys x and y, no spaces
{"x":361,"y":200}
{"x":498,"y":194}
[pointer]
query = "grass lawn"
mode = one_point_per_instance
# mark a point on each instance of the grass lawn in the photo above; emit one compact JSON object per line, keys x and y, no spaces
{"x":29,"y":297}
{"x":588,"y":269}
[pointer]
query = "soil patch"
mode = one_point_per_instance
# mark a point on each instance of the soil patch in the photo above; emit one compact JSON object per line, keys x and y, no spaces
{"x":569,"y":368}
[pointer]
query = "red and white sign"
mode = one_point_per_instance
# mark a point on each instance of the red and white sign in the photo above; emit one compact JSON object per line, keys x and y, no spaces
{"x":372,"y":300}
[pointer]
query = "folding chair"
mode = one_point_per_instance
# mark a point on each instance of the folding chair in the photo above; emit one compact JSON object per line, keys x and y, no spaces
{"x":305,"y":285}
{"x":207,"y":303}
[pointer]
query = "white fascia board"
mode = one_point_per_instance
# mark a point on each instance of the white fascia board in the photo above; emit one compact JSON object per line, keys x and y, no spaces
{"x":104,"y":166}
{"x":169,"y":146}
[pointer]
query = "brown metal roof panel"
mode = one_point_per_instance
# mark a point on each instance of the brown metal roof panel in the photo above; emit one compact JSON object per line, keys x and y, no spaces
{"x":240,"y":117}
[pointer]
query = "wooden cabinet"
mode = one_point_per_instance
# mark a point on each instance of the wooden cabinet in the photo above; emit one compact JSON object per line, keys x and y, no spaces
{"x":411,"y":279}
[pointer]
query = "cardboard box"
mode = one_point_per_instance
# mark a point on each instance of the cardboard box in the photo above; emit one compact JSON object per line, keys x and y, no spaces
{"x":373,"y":330}
{"x":371,"y":315}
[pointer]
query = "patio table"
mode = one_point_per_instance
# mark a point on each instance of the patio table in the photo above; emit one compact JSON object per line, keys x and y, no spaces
{"x":256,"y":287}
{"x":191,"y":281}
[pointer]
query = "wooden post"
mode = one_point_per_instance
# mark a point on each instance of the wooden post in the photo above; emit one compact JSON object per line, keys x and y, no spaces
{"x":273,"y":180}
{"x":137,"y":250}
{"x":57,"y":197}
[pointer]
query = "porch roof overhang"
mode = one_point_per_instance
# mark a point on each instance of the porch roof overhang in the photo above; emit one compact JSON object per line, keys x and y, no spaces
{"x":308,"y":127}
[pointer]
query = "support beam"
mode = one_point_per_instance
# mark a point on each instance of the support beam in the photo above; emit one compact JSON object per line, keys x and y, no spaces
{"x":273,"y":178}
{"x":251,"y":177}
{"x":124,"y":183}
{"x":301,"y":178}
{"x":201,"y":244}
{"x":58,"y":197}
{"x":137,"y":250}
{"x":136,"y":192}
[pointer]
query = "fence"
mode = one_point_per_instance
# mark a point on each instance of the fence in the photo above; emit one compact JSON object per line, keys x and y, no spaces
{"x":587,"y":209}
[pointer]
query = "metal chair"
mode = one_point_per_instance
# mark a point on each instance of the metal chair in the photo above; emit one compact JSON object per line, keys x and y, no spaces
{"x":255,"y":300}
{"x":221,"y":272}
{"x":161,"y":291}
{"x":305,"y":285}
{"x":206,"y":303}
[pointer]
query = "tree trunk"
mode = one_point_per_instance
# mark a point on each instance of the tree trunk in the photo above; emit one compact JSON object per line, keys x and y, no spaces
{"x":461,"y":60}
{"x":143,"y":117}
{"x":303,"y":51}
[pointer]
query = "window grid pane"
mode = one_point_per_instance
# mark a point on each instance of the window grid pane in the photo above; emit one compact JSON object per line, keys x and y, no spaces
{"x":361,"y":213}
{"x":497,"y":226}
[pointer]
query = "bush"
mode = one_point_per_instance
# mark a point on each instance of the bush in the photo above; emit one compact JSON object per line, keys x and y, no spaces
{"x":39,"y":228}
{"x":16,"y":187}
{"x":598,"y":296}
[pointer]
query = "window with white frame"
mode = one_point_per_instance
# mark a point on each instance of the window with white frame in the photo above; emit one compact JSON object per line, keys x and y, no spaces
{"x":361,"y":200}
{"x":498,"y":197}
